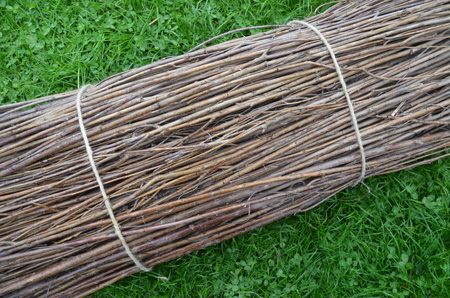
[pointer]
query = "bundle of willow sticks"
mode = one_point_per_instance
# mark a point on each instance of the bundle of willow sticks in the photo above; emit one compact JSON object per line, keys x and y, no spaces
{"x":195,"y":149}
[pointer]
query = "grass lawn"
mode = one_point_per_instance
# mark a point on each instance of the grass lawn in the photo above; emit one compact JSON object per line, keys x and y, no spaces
{"x":393,"y":243}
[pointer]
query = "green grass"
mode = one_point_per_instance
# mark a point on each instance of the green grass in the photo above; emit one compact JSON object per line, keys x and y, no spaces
{"x":392,"y":243}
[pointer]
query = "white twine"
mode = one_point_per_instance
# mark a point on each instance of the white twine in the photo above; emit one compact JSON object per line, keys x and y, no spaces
{"x":347,"y":96}
{"x":102,"y":188}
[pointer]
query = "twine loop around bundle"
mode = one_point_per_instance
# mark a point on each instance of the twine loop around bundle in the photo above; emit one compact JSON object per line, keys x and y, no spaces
{"x":108,"y":205}
{"x":297,"y":23}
